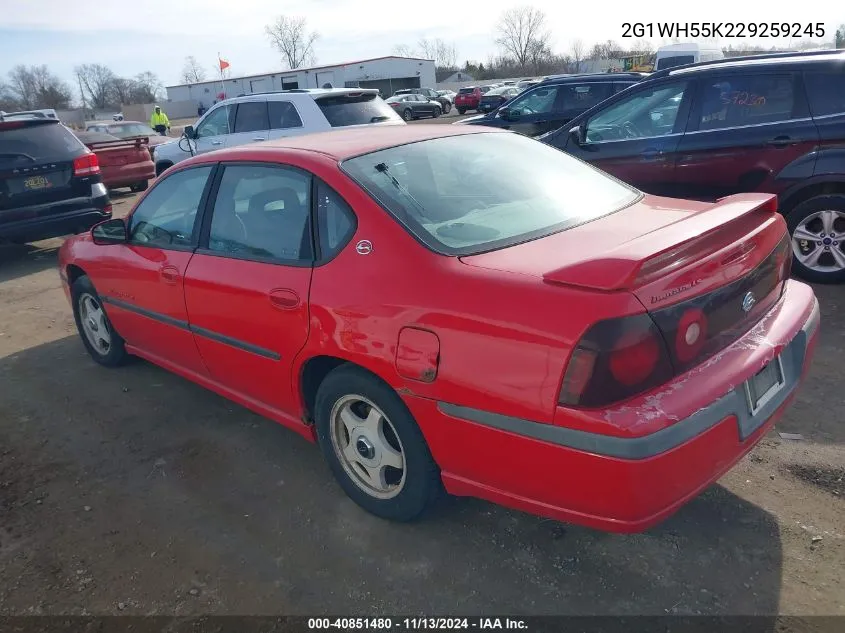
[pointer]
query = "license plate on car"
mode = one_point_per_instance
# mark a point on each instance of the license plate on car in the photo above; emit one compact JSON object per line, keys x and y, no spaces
{"x":764,"y":385}
{"x":34,"y":183}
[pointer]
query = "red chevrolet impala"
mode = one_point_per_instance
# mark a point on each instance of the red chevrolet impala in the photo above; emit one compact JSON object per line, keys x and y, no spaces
{"x":461,"y":309}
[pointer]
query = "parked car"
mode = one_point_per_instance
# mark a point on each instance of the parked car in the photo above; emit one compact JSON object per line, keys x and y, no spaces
{"x":469,"y":97}
{"x":350,"y":286}
{"x":770,"y":123}
{"x":682,"y":54}
{"x":123,"y":163}
{"x":448,"y":94}
{"x":497,"y":97}
{"x":117,"y":116}
{"x":527,"y":83}
{"x":50,"y":183}
{"x":431,"y":95}
{"x":127,"y":130}
{"x":414,"y":106}
{"x":258,"y":117}
{"x":553,"y":103}
{"x":45,"y":113}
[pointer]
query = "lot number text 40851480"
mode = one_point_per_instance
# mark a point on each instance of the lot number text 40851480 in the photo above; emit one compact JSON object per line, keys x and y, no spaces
{"x":416,"y":624}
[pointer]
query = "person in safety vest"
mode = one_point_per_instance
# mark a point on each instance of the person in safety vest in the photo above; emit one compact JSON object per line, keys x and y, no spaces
{"x":159,"y":121}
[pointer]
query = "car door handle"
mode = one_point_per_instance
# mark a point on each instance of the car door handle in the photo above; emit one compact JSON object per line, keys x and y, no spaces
{"x":651,"y":153}
{"x":782,"y":141}
{"x":217,"y":142}
{"x":259,"y":138}
{"x":284,"y":298}
{"x":169,"y":274}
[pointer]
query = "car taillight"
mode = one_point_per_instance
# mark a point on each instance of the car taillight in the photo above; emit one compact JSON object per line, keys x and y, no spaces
{"x":615,"y":360}
{"x":86,"y":165}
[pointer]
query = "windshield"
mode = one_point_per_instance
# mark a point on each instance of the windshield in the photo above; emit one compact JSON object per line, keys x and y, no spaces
{"x":468,"y":194}
{"x":676,"y":60}
{"x":38,"y":143}
{"x":130,"y":129}
{"x":355,"y":109}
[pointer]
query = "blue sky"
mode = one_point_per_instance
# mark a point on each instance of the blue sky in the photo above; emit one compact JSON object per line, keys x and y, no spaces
{"x":157,"y":35}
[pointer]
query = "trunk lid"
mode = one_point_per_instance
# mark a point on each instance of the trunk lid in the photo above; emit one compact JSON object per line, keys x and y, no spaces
{"x":705,"y":272}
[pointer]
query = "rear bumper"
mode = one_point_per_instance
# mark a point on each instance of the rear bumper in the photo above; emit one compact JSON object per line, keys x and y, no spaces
{"x":41,"y":222}
{"x":625,"y":484}
{"x":125,"y":175}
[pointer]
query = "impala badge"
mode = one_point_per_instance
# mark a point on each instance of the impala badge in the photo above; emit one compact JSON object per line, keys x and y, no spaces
{"x":364,"y":247}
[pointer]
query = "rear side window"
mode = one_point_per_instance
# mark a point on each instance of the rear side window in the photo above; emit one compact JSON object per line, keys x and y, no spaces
{"x":335,"y":220}
{"x":745,"y":100}
{"x":283,"y":115}
{"x":37,"y":143}
{"x":355,"y":109}
{"x":826,"y":92}
{"x":252,"y":117}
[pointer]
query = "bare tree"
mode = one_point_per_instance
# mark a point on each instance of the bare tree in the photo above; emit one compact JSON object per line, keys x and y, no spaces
{"x":403,"y":50}
{"x":577,"y":52}
{"x":147,"y":88}
{"x":444,"y":54}
{"x":290,"y":36}
{"x":36,"y":87}
{"x":192,"y":71}
{"x":840,"y":36}
{"x":606,"y":50}
{"x":98,"y":81}
{"x":522,"y":32}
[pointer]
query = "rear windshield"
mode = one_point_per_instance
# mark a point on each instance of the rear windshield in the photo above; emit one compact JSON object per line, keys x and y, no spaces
{"x":465,"y":91}
{"x":342,"y":110}
{"x":677,"y":60}
{"x":38,"y":143}
{"x":468,"y":194}
{"x":130,"y":129}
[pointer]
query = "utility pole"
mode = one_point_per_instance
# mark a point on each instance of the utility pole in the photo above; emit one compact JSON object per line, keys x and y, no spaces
{"x":82,"y":96}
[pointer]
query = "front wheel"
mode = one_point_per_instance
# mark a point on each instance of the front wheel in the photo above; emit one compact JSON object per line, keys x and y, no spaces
{"x":139,"y":186}
{"x":101,"y":340}
{"x":374,"y":447}
{"x":162,"y":167}
{"x":447,"y":108}
{"x":817,"y":227}
{"x":462,"y":110}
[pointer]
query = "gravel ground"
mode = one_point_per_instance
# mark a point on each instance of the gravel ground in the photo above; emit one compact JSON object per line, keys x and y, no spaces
{"x":133,"y":491}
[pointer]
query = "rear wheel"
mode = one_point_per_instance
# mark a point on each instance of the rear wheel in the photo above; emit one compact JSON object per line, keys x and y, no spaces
{"x":407,"y":114}
{"x":462,"y":110}
{"x":103,"y":343}
{"x":447,"y":108}
{"x":374,"y":447}
{"x":161,"y":167}
{"x":139,"y":186}
{"x":817,"y":227}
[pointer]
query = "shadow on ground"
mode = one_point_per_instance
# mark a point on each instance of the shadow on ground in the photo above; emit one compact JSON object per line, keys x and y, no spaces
{"x":136,"y":487}
{"x":20,"y":260}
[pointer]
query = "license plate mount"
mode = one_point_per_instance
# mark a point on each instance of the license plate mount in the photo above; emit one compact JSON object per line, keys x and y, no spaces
{"x":764,"y":385}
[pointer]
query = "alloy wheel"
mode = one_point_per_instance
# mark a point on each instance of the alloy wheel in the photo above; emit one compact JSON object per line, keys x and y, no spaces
{"x":94,"y":323}
{"x":818,"y":240}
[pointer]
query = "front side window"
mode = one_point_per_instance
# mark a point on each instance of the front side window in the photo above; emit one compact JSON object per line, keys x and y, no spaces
{"x":478,"y":192}
{"x":537,"y":101}
{"x":283,"y":115}
{"x":826,"y":91}
{"x":646,"y":113}
{"x":262,"y":213}
{"x":739,"y":100}
{"x":215,"y":124}
{"x":251,"y":117}
{"x":167,"y":215}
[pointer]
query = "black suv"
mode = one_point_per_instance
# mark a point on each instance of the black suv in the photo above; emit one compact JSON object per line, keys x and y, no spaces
{"x":554,"y":102}
{"x":769,"y":123}
{"x":50,"y":182}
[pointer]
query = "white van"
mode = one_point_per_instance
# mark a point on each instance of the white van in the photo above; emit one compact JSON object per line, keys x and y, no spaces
{"x":689,"y":53}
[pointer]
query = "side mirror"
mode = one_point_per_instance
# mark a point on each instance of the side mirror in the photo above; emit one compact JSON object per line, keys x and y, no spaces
{"x":577,"y":134}
{"x":110,"y":232}
{"x":189,"y":131}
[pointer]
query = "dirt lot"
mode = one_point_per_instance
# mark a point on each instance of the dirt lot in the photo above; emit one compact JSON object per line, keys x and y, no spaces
{"x":133,"y":491}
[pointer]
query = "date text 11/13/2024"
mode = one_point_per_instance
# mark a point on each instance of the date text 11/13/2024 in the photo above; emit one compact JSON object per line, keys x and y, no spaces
{"x":415,"y":624}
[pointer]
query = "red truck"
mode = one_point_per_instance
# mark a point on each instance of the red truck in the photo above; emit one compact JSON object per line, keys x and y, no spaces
{"x":123,"y":162}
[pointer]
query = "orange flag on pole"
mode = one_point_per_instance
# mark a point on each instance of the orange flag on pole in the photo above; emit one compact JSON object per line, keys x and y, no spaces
{"x":223,"y":64}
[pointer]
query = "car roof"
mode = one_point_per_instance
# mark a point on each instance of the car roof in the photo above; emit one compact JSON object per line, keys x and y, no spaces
{"x":768,"y":59}
{"x":311,"y":93}
{"x":340,"y":144}
{"x":568,"y":79}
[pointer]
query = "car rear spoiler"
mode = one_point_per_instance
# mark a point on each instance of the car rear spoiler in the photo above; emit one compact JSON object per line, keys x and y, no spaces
{"x":122,"y":143}
{"x":659,"y":252}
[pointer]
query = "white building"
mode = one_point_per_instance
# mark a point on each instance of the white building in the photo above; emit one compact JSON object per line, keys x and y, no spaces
{"x":388,"y":74}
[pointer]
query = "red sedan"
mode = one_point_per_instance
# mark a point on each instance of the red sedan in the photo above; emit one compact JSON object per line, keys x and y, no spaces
{"x":123,"y":163}
{"x":461,"y":309}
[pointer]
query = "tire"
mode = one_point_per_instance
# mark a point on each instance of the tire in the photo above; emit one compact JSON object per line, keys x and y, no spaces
{"x":812,"y":216}
{"x":407,"y":115}
{"x":139,"y":186}
{"x":437,"y":113}
{"x":161,"y":167}
{"x":82,"y":291}
{"x":405,"y":493}
{"x":447,"y":108}
{"x":462,"y":110}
